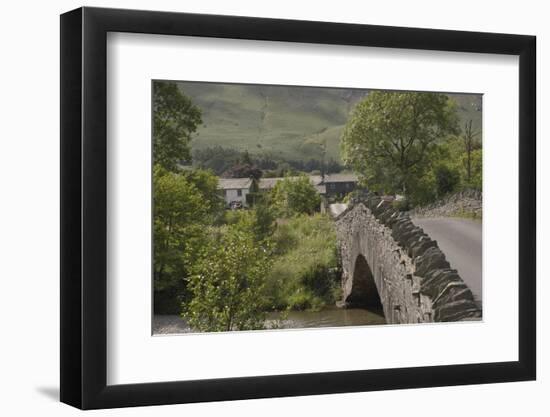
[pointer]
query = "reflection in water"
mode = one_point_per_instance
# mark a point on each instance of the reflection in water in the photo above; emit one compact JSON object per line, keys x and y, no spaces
{"x":330,"y":317}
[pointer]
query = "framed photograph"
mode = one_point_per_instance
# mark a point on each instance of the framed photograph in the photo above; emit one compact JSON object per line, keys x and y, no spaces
{"x":258,"y":208}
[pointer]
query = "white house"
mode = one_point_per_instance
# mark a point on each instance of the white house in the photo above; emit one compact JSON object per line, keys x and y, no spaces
{"x":235,"y":190}
{"x":267,"y":184}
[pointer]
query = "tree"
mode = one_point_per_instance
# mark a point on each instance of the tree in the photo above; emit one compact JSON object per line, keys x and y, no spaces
{"x":295,"y":195}
{"x":177,"y":202}
{"x":243,"y":170}
{"x":390,"y":134}
{"x":184,"y":205}
{"x":226,"y":282}
{"x":207,"y":184}
{"x":263,"y":225}
{"x":477,"y":169}
{"x":175,"y":119}
{"x":447,"y":179}
{"x":470,"y":145}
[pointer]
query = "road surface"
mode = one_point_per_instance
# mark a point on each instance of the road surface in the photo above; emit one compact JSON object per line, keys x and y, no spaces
{"x":460,"y":241}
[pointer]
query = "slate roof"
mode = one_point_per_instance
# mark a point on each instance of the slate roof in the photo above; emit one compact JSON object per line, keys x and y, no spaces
{"x":321,"y":189}
{"x":341,"y":178}
{"x":269,"y":183}
{"x":234,"y":183}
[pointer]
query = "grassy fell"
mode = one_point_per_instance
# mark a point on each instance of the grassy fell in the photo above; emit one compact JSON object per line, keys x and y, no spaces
{"x":289,"y":122}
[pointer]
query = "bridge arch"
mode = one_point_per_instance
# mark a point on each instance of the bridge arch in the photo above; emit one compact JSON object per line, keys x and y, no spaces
{"x":389,"y":262}
{"x":364,"y":292}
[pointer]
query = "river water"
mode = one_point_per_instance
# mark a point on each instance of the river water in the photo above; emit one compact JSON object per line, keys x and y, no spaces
{"x":329,"y":317}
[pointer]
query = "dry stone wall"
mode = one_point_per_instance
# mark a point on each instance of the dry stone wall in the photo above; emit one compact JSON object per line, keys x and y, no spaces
{"x":464,"y":203}
{"x":413,"y":279}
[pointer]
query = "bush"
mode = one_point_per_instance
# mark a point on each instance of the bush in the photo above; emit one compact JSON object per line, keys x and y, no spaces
{"x":226,"y":283}
{"x":185,"y":204}
{"x":304,"y":300}
{"x":294,"y":196}
{"x":447,"y":180}
{"x":401,"y":205}
{"x":304,"y":274}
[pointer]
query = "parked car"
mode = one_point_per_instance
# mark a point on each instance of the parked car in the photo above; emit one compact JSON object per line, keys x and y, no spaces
{"x":236,"y":205}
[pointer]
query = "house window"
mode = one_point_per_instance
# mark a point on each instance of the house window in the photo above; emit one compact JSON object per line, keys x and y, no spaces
{"x":239,"y":193}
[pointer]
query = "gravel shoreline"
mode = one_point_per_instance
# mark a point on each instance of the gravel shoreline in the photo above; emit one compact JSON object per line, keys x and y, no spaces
{"x":169,"y":324}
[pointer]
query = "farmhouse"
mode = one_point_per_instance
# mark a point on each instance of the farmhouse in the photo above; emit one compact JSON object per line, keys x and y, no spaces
{"x":331,"y":185}
{"x":267,"y":184}
{"x":338,"y":185}
{"x":235,"y":191}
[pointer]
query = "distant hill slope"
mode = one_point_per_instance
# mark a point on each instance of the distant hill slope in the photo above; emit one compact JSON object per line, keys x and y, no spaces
{"x":286,"y":122}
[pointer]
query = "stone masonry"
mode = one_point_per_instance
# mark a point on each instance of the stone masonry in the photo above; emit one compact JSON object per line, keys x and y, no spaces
{"x":382,"y":250}
{"x":464,"y":203}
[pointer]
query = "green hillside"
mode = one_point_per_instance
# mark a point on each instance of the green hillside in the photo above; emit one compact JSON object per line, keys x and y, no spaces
{"x":286,"y":122}
{"x":469,"y":107}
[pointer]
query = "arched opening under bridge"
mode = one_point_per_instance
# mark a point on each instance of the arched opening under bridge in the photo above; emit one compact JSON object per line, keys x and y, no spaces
{"x":364,"y":293}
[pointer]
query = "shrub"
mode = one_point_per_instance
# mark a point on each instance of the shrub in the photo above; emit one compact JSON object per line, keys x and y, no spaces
{"x":293,"y":196}
{"x":304,"y":274}
{"x":226,"y":283}
{"x":303,"y":300}
{"x":447,"y":179}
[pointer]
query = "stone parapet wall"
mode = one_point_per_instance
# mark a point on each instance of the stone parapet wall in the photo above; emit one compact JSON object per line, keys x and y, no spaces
{"x":464,"y":203}
{"x":413,"y":279}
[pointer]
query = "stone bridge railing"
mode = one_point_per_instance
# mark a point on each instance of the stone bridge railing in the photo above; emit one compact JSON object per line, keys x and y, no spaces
{"x":388,"y":260}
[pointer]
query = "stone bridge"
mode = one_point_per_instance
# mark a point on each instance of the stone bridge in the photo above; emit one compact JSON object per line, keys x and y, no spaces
{"x":391,"y":264}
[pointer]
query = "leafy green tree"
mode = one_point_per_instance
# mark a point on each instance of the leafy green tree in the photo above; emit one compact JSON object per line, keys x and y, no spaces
{"x":175,"y":119}
{"x":295,"y":195}
{"x":421,"y":192}
{"x":227,"y":278}
{"x":260,"y":221}
{"x":447,"y":179}
{"x":390,"y":135}
{"x":476,"y":169}
{"x":264,"y":221}
{"x":463,"y":158}
{"x":207,"y":184}
{"x":185,"y":204}
{"x":471,"y":144}
{"x":243,"y":170}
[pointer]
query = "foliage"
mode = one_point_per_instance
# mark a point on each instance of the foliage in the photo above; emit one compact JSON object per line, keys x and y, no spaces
{"x":216,"y":158}
{"x":231,"y":163}
{"x":184,"y":205}
{"x":175,"y":118}
{"x":264,"y":221}
{"x":227,"y":277}
{"x":207,"y":184}
{"x":477,"y":169}
{"x":390,"y":135}
{"x":260,"y":221}
{"x":447,"y":179}
{"x":295,"y":195}
{"x":422,"y":191}
{"x":287,"y":122}
{"x":471,"y":144}
{"x":242,"y":170}
{"x":304,"y":273}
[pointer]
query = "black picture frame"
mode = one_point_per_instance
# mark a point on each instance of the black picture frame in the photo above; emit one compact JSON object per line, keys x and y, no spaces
{"x":84,"y":207}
